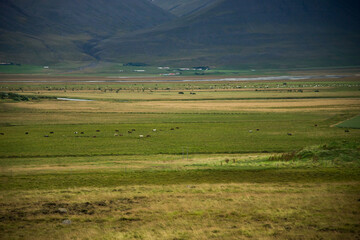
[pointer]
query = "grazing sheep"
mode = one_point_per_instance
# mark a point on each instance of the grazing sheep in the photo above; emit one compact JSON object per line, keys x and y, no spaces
{"x":97,"y":130}
{"x":82,"y":133}
{"x":26,"y":133}
{"x":133,"y":130}
{"x":51,"y":132}
{"x":116,"y":130}
{"x":177,"y":128}
{"x":148,"y":136}
{"x":116,"y":135}
{"x":257,"y":129}
{"x":154,"y":130}
{"x":75,"y":132}
{"x":172,"y":129}
{"x":129,"y":131}
{"x":46,"y":136}
{"x":141,"y":136}
{"x":347,"y":131}
{"x":250,"y":131}
{"x":289,"y":134}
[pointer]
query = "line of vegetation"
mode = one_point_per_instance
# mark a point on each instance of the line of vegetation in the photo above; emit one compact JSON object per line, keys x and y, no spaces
{"x":18,"y":97}
{"x":335,"y":151}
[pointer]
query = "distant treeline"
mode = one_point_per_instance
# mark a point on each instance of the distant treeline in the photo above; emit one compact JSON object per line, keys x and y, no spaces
{"x":10,"y":63}
{"x":135,"y":64}
{"x":18,"y":97}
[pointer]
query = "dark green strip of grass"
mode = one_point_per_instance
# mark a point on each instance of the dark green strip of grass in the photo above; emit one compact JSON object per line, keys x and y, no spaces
{"x":351,"y":123}
{"x":211,"y":176}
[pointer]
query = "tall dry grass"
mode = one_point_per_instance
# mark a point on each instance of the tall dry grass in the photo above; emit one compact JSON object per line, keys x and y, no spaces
{"x":203,"y":211}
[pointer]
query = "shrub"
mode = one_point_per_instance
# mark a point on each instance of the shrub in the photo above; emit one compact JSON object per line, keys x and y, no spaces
{"x":283,"y":157}
{"x":13,"y":96}
{"x":344,"y":151}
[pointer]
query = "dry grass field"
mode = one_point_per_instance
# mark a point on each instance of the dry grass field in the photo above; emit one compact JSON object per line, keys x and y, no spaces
{"x":191,"y":106}
{"x":192,"y":211}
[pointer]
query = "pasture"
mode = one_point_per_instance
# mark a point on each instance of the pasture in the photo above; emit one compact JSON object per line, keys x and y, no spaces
{"x":235,"y":160}
{"x":351,"y":123}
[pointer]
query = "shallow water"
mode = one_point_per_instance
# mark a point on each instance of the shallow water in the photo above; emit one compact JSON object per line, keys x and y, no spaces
{"x":155,"y":80}
{"x":76,"y":100}
{"x":279,"y":78}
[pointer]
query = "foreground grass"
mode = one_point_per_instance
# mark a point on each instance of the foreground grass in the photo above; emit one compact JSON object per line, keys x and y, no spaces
{"x":185,"y":211}
{"x":335,"y":162}
{"x":309,"y":194}
{"x":116,"y":178}
{"x":322,"y":166}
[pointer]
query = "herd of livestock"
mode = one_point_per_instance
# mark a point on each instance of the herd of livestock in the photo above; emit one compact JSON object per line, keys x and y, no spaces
{"x":118,"y":134}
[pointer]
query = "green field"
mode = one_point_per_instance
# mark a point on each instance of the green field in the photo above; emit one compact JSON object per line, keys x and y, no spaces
{"x":237,"y":160}
{"x":351,"y":123}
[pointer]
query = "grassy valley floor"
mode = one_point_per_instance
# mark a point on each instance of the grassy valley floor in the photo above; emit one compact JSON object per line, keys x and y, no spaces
{"x":242,"y":160}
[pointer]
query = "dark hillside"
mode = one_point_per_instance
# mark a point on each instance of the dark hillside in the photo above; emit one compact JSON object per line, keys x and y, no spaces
{"x":35,"y":31}
{"x":183,"y":7}
{"x":74,"y":16}
{"x":275,"y":33}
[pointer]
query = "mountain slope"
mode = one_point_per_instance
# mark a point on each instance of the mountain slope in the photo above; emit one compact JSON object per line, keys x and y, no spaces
{"x":46,"y":31}
{"x":251,"y":32}
{"x":73,"y":16}
{"x":183,"y":7}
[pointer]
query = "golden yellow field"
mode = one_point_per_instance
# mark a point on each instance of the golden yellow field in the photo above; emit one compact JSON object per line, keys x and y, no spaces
{"x":190,"y":106}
